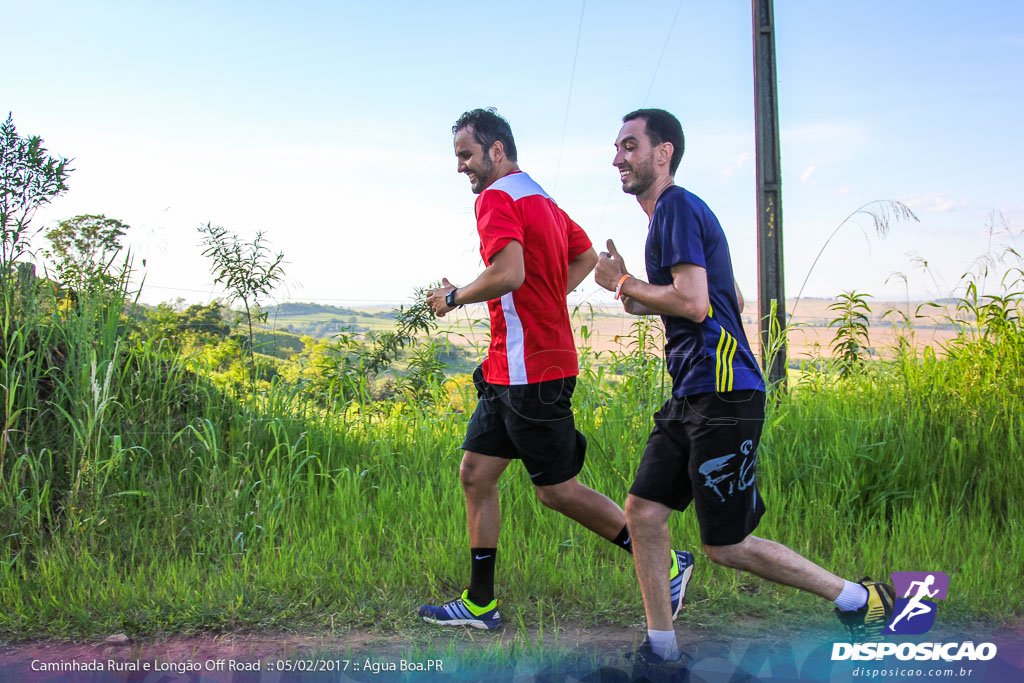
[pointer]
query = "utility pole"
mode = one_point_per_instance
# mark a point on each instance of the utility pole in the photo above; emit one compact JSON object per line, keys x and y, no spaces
{"x":771,"y":295}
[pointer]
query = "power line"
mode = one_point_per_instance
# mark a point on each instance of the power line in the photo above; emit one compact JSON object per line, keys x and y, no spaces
{"x":654,"y":77}
{"x":663,"y":49}
{"x":568,"y":99}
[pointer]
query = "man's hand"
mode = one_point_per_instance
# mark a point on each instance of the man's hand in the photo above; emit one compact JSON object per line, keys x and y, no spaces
{"x":610,"y":268}
{"x":634,"y":307}
{"x":436,"y":298}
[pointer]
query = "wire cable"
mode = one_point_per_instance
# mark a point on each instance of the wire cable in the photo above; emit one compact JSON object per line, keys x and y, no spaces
{"x":663,"y":49}
{"x":654,"y":77}
{"x":568,"y":99}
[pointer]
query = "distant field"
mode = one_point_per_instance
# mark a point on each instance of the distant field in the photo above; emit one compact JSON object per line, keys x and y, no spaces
{"x":318,"y":321}
{"x":609,"y":327}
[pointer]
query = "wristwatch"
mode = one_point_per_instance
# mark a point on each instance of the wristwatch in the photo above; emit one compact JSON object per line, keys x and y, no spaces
{"x":449,"y":299}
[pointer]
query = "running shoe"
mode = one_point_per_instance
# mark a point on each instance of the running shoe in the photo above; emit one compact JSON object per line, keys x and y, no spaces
{"x":866,"y":623}
{"x":678,"y":577}
{"x":462,"y":612}
{"x":648,"y":667}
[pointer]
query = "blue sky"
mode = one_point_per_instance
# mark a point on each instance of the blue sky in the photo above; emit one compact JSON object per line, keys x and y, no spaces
{"x":327,"y":125}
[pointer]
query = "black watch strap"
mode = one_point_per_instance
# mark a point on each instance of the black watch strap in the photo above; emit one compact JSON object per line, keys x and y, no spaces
{"x":449,"y":299}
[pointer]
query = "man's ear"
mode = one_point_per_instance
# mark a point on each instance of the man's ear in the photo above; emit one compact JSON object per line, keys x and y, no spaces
{"x":665,"y":151}
{"x":497,"y":151}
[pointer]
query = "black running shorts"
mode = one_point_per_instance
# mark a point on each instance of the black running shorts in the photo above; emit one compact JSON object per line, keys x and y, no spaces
{"x":529,"y":422}
{"x":704,"y":449}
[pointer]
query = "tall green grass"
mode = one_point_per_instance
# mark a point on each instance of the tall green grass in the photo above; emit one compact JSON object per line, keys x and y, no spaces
{"x":136,"y":495}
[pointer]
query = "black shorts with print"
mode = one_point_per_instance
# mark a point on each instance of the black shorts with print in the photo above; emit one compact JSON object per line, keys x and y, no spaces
{"x":704,"y":449}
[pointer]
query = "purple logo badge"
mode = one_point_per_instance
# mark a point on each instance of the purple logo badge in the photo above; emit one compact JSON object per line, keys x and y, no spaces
{"x":914,"y":612}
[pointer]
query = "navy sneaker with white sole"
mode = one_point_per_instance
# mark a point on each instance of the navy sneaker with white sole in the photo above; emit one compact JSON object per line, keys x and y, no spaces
{"x":463,"y":612}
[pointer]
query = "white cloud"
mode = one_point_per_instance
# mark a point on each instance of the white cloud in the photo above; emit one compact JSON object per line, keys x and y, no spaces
{"x":935,"y":202}
{"x":728,"y":171}
{"x":844,"y":190}
{"x":808,"y":172}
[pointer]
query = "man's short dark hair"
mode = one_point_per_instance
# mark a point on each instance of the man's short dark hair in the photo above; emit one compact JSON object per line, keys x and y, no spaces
{"x":488,"y":128}
{"x":662,"y":127}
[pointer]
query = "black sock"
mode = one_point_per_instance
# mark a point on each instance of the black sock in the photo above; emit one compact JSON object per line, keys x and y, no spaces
{"x":481,"y":581}
{"x":624,"y":540}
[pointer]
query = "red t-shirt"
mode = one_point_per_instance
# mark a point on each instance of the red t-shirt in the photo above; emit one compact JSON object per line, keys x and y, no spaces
{"x":531,"y":339}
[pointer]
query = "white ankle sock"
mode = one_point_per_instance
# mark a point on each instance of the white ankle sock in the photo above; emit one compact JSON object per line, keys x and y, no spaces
{"x":853,"y":597}
{"x":664,"y":644}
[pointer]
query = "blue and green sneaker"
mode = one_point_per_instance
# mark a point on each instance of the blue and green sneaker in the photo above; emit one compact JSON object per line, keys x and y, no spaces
{"x":462,"y":612}
{"x":678,"y":577}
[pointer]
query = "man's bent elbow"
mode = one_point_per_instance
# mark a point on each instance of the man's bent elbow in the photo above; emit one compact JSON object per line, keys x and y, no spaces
{"x":514,"y":281}
{"x":589,"y":258}
{"x":697,"y":311}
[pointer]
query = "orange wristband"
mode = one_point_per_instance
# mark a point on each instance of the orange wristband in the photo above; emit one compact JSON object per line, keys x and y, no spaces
{"x":618,"y":285}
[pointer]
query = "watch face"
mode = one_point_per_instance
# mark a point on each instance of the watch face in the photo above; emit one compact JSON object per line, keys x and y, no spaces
{"x":450,"y":298}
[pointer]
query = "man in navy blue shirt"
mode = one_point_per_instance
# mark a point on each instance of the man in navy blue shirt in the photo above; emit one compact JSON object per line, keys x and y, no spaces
{"x":703,"y":448}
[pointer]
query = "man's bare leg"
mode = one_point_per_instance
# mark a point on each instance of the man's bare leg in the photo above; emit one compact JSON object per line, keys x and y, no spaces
{"x":776,"y":562}
{"x":479,"y":475}
{"x":863,"y":607}
{"x":648,"y":524}
{"x":593,"y":510}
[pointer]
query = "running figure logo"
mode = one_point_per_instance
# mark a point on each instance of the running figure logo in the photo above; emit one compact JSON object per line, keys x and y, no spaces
{"x":914,"y":612}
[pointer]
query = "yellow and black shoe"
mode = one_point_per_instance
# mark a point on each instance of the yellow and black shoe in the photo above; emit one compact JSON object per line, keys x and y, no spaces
{"x":867,"y":623}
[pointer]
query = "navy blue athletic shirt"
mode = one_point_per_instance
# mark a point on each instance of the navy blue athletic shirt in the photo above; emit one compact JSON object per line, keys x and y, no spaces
{"x":713,"y":355}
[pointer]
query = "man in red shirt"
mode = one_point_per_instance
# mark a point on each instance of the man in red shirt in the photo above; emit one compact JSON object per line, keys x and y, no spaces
{"x":534,"y":256}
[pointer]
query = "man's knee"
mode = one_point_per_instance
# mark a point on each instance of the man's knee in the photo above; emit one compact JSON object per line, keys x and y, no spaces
{"x":643,"y":513}
{"x":555,"y":497}
{"x":733,"y":556}
{"x":474,"y":476}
